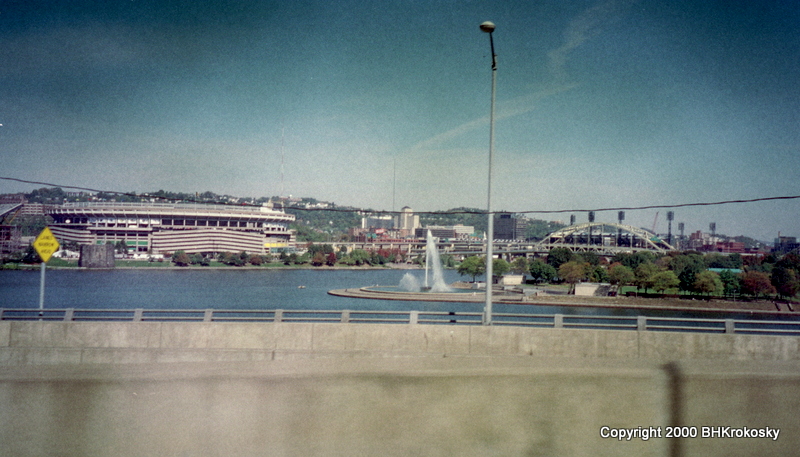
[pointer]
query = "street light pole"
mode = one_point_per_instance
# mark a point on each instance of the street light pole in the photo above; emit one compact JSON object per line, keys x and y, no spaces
{"x":488,"y":27}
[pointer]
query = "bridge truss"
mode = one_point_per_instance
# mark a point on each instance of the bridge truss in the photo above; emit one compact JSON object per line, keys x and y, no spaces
{"x":604,"y":238}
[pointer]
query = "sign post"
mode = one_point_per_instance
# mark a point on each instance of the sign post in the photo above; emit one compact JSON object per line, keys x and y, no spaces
{"x":45,"y":244}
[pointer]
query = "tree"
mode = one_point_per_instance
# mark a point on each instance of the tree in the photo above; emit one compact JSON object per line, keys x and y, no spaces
{"x":255,"y":259}
{"x":598,"y":274}
{"x":121,"y":247}
{"x":181,"y":259}
{"x":573,"y":272}
{"x":360,"y":257}
{"x":325,"y":249}
{"x":318,"y":259}
{"x":559,"y":256}
{"x":499,"y":268}
{"x":538,"y":229}
{"x":790,"y":260}
{"x":664,"y":280}
{"x":31,"y":256}
{"x":377,"y":259}
{"x":620,"y":275}
{"x":472,"y":266}
{"x":303,"y":259}
{"x":590,"y":257}
{"x":756,"y":283}
{"x":730,"y":282}
{"x":331,"y":260}
{"x":726,"y":261}
{"x":708,"y":282}
{"x":520,"y":266}
{"x":785,"y":280}
{"x":786,"y":275}
{"x":644,"y":275}
{"x":542,"y":272}
{"x":633,"y":261}
{"x":686,"y":268}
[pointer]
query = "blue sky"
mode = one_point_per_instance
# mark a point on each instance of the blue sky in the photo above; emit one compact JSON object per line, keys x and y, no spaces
{"x":600,"y":104}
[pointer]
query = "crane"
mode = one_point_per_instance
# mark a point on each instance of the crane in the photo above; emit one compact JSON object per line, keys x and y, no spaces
{"x":655,"y":237}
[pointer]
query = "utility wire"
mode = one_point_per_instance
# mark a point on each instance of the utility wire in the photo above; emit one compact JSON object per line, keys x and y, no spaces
{"x":456,"y":211}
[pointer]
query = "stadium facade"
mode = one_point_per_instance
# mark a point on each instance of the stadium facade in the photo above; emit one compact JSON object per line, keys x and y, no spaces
{"x":157,"y":228}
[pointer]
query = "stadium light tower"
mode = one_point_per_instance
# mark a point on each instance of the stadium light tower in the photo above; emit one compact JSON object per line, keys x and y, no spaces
{"x":488,"y":27}
{"x":670,"y":218}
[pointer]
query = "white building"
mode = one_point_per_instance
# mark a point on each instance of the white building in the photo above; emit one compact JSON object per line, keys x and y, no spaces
{"x":407,"y":220}
{"x":168,"y":227}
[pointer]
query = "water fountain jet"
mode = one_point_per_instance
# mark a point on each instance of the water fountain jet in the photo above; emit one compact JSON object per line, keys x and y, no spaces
{"x":434,"y":264}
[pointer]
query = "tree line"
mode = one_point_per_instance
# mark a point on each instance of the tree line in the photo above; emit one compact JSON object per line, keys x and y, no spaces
{"x":686,"y":272}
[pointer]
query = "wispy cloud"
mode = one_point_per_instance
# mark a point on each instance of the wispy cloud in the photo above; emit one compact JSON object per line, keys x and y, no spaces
{"x":586,"y":25}
{"x":506,"y":109}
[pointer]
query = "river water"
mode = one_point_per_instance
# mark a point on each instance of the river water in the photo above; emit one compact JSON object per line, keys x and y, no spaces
{"x":265,"y":289}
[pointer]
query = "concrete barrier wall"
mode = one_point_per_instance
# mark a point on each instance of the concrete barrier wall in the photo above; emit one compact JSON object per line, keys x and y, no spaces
{"x":25,"y":342}
{"x":429,"y":406}
{"x":211,"y":389}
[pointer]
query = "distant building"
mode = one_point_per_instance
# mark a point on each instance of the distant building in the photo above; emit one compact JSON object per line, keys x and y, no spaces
{"x":730,"y":247}
{"x":407,"y":223}
{"x":700,"y":241}
{"x":6,"y":199}
{"x":507,"y":226}
{"x":157,"y":228}
{"x":10,"y":240}
{"x":377,"y":222}
{"x":784,"y":244}
{"x":449,"y":232}
{"x":358,"y":234}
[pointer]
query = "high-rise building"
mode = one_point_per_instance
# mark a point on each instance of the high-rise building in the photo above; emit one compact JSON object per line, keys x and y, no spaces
{"x":407,"y":222}
{"x":507,"y":226}
{"x":407,"y":219}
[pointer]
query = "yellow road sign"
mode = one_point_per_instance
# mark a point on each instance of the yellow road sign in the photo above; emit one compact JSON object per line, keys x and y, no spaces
{"x":46,"y":244}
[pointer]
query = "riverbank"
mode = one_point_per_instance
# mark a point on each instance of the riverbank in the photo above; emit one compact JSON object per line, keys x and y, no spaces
{"x":143,"y":264}
{"x":761,"y":307}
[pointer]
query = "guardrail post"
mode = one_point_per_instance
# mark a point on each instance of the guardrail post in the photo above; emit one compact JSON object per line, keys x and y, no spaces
{"x":208,"y":315}
{"x":68,"y":314}
{"x":558,"y":321}
{"x":729,"y":326}
{"x":641,"y":323}
{"x":413,"y":317}
{"x":345,"y":316}
{"x":137,"y":314}
{"x":278,"y":315}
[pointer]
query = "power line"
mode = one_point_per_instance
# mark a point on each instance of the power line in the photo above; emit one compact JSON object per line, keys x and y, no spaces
{"x":457,"y":211}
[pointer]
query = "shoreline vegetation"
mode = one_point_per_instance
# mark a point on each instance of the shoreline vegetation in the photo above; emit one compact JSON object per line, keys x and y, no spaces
{"x":553,"y":294}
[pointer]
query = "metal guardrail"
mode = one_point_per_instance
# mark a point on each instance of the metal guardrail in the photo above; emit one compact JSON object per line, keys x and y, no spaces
{"x":637,"y":323}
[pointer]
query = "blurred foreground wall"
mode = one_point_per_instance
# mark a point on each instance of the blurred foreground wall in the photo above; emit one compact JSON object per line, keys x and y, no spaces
{"x":214,"y":389}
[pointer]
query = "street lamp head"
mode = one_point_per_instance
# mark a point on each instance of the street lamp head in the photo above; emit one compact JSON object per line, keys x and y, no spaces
{"x":487,"y":27}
